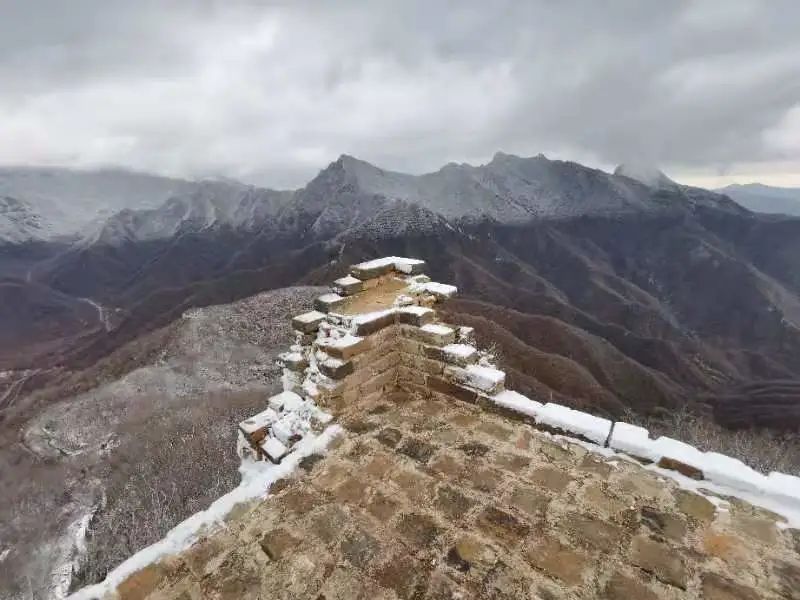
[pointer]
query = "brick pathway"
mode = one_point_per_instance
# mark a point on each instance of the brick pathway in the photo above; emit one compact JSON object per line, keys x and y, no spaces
{"x":432,"y":498}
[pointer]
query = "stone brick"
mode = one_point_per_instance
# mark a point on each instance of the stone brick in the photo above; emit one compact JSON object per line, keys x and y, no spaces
{"x":594,"y":465}
{"x":366,"y":270}
{"x":382,"y":507}
{"x":451,"y":389}
{"x":416,"y":316}
{"x":277,"y":543}
{"x":352,"y":491}
{"x":675,"y":465}
{"x":417,"y":486}
{"x":142,"y":583}
{"x":502,"y":525}
{"x":530,"y":501}
{"x":513,"y":463}
{"x":762,"y":530}
{"x":379,"y":382}
{"x":418,"y":529}
{"x":294,"y":361}
{"x":716,"y":587}
{"x":659,"y":559}
{"x":389,"y":436}
{"x":409,"y":346}
{"x":347,"y":286}
{"x":470,"y":553}
{"x":484,"y":479}
{"x":622,"y":587}
{"x":552,"y":478}
{"x":335,"y":369}
{"x":724,"y":546}
{"x":359,"y":548}
{"x":434,"y":334}
{"x":401,"y":575}
{"x":663,"y":524}
{"x":495,"y":430}
{"x":431,"y":367}
{"x":453,"y":503}
{"x":414,"y":376}
{"x":417,"y":449}
{"x":345,"y":351}
{"x":301,"y":500}
{"x":375,"y":324}
{"x":328,"y":302}
{"x":599,"y":534}
{"x":308,"y":322}
{"x":558,"y":561}
{"x":447,"y":465}
{"x":379,"y":466}
{"x":474,"y":449}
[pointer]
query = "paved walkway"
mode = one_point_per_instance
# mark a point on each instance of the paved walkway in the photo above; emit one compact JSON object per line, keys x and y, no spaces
{"x":436,"y":499}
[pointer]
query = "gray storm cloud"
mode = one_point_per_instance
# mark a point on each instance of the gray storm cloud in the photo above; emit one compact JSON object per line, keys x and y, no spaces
{"x":270,"y":92}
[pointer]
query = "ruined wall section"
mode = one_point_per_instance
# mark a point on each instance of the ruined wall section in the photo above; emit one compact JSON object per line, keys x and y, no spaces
{"x":378,"y":332}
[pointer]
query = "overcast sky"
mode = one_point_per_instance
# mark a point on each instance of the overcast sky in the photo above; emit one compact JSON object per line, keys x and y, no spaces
{"x":272,"y":92}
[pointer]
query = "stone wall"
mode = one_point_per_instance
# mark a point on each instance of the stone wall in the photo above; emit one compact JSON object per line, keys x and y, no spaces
{"x":377,"y":332}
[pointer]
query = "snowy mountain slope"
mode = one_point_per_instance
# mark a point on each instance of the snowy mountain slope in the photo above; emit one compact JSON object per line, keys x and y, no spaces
{"x":509,"y":189}
{"x":19,"y":221}
{"x":209,"y":204}
{"x":64,"y":202}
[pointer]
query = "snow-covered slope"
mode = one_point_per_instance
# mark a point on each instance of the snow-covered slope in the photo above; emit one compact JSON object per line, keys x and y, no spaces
{"x":48,"y":203}
{"x":509,"y":189}
{"x":209,"y":204}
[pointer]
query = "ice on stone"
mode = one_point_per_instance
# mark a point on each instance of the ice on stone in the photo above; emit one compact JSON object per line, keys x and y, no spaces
{"x":595,"y":429}
{"x":285,"y":401}
{"x":482,"y":378}
{"x":259,"y":421}
{"x":274,"y":449}
{"x":632,"y":440}
{"x":517,"y":402}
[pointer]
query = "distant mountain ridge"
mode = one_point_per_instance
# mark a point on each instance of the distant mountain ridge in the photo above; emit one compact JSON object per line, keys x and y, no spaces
{"x":650,"y":293}
{"x":764,"y":198}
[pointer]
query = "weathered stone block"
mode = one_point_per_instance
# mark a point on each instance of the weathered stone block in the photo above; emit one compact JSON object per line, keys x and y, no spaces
{"x":378,"y":382}
{"x":659,"y":559}
{"x":308,"y":322}
{"x":558,"y":561}
{"x":345,"y":347}
{"x":622,"y":587}
{"x":502,"y":525}
{"x":414,"y":376}
{"x":409,"y":346}
{"x":376,"y":323}
{"x":328,"y":302}
{"x":451,"y":389}
{"x":415,"y":315}
{"x":349,"y":285}
{"x":434,"y":334}
{"x":335,"y":368}
{"x":278,"y":543}
{"x":486,"y":379}
{"x":420,"y":363}
{"x":716,"y":587}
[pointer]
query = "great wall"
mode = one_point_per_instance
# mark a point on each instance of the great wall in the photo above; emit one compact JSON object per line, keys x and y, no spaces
{"x":407,"y":470}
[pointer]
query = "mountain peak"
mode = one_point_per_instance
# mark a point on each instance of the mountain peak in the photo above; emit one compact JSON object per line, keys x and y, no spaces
{"x":647,"y":174}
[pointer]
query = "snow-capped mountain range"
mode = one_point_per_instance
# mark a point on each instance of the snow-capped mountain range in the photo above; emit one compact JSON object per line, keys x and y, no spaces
{"x":112,"y":207}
